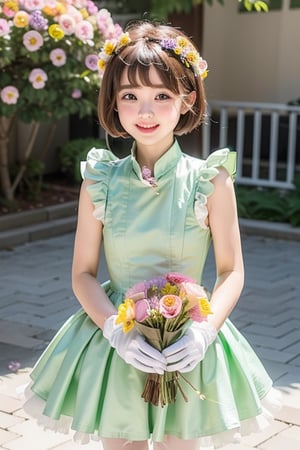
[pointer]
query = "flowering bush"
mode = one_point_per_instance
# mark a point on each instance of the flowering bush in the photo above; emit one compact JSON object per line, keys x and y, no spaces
{"x":49,"y":57}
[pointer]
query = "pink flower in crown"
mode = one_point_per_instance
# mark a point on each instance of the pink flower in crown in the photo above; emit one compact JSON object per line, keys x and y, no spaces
{"x":178,"y":278}
{"x":170,"y":306}
{"x":142,"y":310}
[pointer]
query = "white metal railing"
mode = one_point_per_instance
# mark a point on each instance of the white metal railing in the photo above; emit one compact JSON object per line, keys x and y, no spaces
{"x":266,"y":137}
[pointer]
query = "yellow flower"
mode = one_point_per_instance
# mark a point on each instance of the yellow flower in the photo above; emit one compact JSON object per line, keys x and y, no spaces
{"x":101,"y":64}
{"x":126,"y":314}
{"x":56,"y":32}
{"x":84,"y":13}
{"x":181,"y":42}
{"x":204,"y":74}
{"x":12,"y":5}
{"x":191,"y":57}
{"x":178,"y":50}
{"x":169,"y":289}
{"x":124,"y":40}
{"x":204,"y":306}
{"x":21,"y":19}
{"x":128,"y":325}
{"x":109,"y":47}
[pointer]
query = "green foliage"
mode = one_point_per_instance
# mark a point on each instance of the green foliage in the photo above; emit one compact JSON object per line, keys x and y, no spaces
{"x":161,"y":8}
{"x":269,"y":204}
{"x":75,"y":151}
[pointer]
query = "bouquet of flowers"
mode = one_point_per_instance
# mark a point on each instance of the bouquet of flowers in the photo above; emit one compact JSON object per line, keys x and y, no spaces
{"x":161,"y":309}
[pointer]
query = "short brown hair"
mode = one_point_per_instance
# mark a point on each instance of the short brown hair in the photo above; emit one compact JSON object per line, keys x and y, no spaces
{"x":137,"y":57}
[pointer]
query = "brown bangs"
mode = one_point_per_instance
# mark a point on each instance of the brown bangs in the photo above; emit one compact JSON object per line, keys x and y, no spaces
{"x":141,"y":58}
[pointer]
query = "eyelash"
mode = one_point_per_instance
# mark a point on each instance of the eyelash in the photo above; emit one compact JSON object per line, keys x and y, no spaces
{"x":160,"y":97}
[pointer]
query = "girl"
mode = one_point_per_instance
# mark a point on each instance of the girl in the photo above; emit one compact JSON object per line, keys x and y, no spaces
{"x":156,"y":211}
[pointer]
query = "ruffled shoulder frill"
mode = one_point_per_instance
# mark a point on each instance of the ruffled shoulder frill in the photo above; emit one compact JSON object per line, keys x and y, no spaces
{"x":208,"y":170}
{"x":97,"y":167}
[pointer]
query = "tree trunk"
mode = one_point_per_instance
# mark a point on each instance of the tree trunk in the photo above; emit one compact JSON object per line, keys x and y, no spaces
{"x":6,"y":126}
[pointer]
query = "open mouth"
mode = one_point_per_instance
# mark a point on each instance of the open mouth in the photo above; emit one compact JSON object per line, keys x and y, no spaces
{"x":146,"y":128}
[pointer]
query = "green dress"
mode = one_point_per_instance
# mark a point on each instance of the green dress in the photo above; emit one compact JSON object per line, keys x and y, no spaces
{"x":148,"y":231}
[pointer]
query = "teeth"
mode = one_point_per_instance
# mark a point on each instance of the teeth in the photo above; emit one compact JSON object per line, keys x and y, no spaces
{"x":146,"y":126}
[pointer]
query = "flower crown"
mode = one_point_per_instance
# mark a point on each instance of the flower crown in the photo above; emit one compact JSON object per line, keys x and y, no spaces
{"x":178,"y":47}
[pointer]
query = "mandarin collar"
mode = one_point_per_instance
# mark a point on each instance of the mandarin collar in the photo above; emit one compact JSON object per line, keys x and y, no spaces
{"x":164,"y":164}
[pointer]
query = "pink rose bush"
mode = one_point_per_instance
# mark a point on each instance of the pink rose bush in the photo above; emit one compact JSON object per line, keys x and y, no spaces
{"x":161,"y":309}
{"x":49,"y":53}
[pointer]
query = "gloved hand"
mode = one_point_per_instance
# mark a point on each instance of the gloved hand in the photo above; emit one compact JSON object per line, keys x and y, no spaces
{"x":133,"y":348}
{"x":190,"y":349}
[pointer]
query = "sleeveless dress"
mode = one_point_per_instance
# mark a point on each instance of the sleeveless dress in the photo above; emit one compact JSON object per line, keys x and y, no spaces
{"x":147,"y":232}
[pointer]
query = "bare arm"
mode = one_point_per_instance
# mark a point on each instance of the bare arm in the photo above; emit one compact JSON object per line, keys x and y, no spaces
{"x":223,"y":221}
{"x":86,"y":256}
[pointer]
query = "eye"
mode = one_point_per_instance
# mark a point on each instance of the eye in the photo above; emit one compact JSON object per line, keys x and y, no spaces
{"x":162,"y":97}
{"x":128,"y":97}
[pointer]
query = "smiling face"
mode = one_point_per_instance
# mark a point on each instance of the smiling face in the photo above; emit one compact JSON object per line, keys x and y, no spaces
{"x":150,"y":113}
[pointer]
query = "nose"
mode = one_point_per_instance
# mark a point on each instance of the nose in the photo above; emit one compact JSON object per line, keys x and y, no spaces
{"x":145,"y":111}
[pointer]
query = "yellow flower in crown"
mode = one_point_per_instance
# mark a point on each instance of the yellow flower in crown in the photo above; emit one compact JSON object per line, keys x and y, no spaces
{"x":101,"y":65}
{"x":182,"y":42}
{"x":124,"y":40}
{"x":126,"y":314}
{"x":191,"y":57}
{"x":109,"y":47}
{"x":178,"y":51}
{"x":204,"y":306}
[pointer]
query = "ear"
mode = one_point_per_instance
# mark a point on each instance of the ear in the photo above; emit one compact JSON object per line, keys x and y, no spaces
{"x":187,"y":102}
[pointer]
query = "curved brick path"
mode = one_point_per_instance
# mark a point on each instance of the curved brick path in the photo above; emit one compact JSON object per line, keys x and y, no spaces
{"x":36,"y":297}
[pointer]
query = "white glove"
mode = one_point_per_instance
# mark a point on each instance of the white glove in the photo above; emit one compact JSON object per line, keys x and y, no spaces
{"x":133,"y":348}
{"x":190,"y":349}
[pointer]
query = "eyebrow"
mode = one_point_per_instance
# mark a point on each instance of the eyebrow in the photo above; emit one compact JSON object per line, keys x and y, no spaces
{"x":129,"y":86}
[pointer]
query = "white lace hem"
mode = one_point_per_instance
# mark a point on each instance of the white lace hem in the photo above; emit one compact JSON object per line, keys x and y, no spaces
{"x":271,"y":404}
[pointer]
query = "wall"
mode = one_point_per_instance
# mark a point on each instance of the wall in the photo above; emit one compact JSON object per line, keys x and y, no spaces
{"x":252,"y":57}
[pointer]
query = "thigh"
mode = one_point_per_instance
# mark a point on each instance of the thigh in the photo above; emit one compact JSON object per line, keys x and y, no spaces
{"x":119,"y":444}
{"x":174,"y":443}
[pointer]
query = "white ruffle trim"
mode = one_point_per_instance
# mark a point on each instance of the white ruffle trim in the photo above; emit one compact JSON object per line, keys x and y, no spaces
{"x":271,"y":404}
{"x":99,"y":213}
{"x":200,"y":210}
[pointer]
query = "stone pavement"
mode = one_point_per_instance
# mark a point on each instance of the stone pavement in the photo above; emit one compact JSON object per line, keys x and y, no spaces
{"x":36,"y":298}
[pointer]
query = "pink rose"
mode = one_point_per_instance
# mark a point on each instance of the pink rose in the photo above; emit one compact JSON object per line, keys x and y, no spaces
{"x":170,"y":306}
{"x":178,"y":278}
{"x":142,"y":309}
{"x":193,"y":292}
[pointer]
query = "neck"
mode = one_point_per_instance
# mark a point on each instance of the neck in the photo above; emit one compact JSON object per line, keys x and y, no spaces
{"x":148,"y":155}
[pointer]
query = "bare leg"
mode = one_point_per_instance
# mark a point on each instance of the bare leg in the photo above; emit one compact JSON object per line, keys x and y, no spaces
{"x":174,"y":443}
{"x":120,"y":444}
